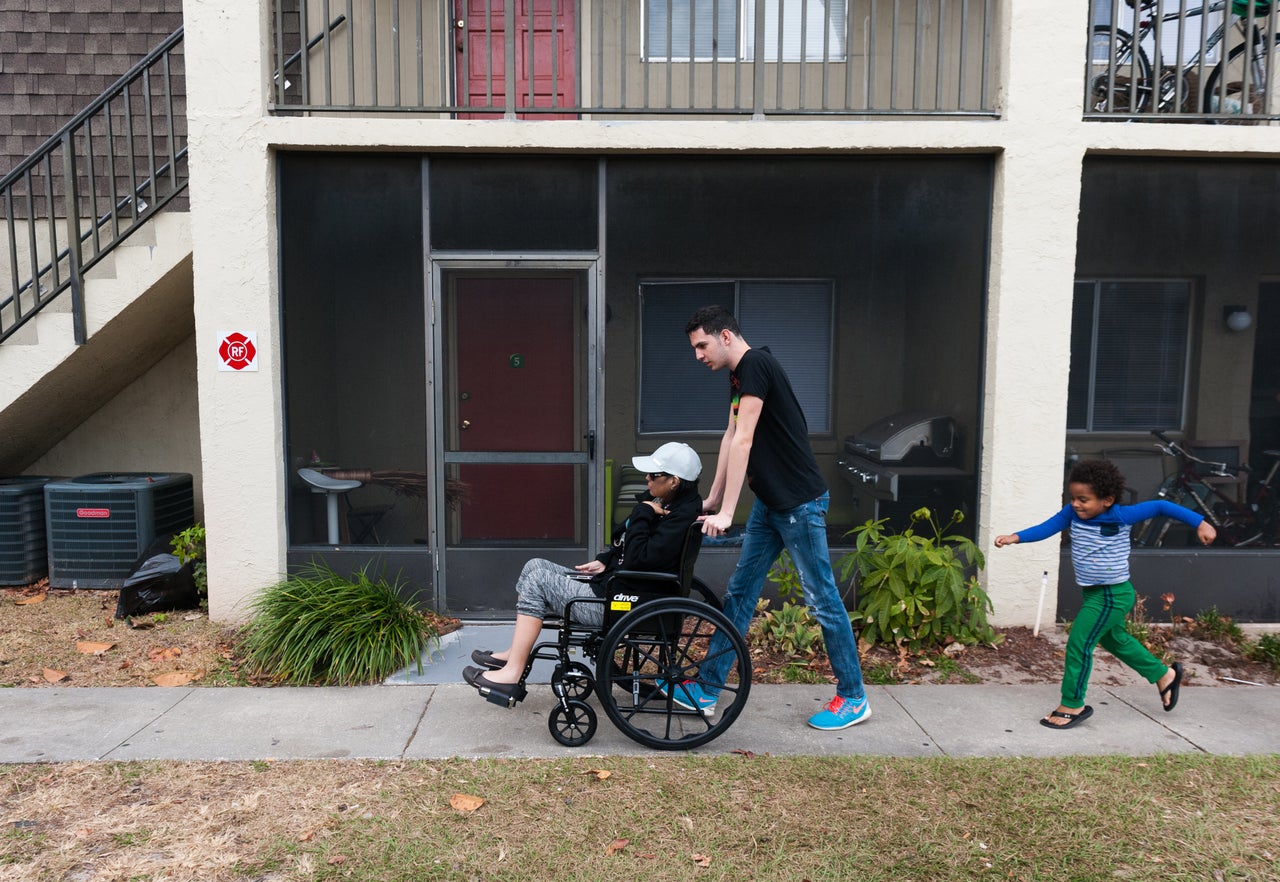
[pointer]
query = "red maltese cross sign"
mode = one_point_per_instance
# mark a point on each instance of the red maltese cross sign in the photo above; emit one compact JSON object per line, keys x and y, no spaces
{"x":238,"y":351}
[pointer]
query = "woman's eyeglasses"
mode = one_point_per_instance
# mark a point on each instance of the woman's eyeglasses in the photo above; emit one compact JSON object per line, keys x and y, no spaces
{"x":653,"y":476}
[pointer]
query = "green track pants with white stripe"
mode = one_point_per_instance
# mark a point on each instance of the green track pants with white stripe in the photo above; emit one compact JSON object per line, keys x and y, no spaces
{"x":1101,"y":622}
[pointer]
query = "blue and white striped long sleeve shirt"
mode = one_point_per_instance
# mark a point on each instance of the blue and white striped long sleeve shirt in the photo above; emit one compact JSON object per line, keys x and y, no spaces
{"x":1100,"y":545}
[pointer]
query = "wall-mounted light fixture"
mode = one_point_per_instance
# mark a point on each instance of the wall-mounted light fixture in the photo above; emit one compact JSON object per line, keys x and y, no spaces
{"x":1237,"y":318}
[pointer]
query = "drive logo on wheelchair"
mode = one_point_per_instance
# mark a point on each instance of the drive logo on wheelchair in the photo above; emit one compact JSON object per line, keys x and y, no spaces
{"x":622,"y":602}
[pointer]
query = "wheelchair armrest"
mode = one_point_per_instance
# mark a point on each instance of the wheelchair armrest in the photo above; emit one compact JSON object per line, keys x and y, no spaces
{"x":658,"y":579}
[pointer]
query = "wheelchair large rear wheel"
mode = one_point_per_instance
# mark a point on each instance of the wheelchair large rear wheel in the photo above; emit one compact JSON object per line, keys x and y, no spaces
{"x":666,"y":642}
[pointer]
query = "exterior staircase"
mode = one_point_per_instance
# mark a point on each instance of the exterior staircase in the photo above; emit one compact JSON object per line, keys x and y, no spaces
{"x":86,"y":308}
{"x":137,"y":307}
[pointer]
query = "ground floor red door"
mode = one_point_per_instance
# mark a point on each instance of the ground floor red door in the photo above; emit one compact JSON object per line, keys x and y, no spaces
{"x":515,"y":400}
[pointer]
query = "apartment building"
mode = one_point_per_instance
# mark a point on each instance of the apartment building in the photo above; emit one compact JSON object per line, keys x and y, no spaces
{"x":417,"y":290}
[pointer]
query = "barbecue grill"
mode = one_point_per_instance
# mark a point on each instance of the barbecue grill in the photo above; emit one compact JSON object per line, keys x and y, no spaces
{"x":904,"y":461}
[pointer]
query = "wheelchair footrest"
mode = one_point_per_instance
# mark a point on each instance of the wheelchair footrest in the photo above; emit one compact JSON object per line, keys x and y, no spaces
{"x":502,"y":698}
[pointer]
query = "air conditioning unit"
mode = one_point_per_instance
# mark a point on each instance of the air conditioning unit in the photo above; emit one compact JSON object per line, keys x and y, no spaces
{"x":99,"y":525}
{"x":23,"y":551}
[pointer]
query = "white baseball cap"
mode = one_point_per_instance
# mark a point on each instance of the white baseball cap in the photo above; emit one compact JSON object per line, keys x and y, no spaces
{"x":673,"y":458}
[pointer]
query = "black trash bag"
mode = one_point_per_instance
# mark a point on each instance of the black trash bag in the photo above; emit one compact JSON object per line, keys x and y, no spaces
{"x":158,"y":582}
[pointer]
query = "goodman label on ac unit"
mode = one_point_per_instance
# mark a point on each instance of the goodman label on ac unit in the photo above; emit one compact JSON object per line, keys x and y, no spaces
{"x":93,"y":512}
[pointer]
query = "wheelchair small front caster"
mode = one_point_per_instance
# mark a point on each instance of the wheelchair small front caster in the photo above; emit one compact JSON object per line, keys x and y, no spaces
{"x":572,"y":722}
{"x":576,"y":680}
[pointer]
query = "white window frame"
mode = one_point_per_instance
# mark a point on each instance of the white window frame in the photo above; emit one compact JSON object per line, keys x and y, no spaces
{"x":825,"y":31}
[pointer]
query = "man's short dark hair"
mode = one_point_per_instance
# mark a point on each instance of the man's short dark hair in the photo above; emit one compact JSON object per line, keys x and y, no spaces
{"x":712,"y":320}
{"x":1100,"y":474}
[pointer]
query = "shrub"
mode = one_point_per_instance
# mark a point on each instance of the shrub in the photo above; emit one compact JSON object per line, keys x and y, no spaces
{"x":1266,"y":649}
{"x":189,"y":545}
{"x":791,"y":628}
{"x":916,"y":590}
{"x":318,"y":628}
{"x":1219,"y":627}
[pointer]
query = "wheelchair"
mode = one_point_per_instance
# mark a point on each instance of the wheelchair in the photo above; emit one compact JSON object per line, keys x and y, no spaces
{"x":653,"y":631}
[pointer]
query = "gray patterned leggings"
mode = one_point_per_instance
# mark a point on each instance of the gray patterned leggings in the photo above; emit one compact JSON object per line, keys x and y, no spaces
{"x":544,"y":588}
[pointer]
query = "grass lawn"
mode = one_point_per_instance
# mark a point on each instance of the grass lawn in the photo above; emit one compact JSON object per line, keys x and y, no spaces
{"x":1170,"y":817}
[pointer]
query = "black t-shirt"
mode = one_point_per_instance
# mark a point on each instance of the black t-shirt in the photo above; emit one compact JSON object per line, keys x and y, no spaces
{"x":781,"y":469}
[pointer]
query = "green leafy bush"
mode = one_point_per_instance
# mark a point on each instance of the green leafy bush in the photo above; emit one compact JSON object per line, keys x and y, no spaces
{"x":189,"y":545}
{"x":916,"y":590}
{"x":791,"y":628}
{"x":319,"y":628}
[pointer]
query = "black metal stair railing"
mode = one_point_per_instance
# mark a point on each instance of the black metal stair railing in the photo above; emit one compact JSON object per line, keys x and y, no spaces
{"x":92,"y":184}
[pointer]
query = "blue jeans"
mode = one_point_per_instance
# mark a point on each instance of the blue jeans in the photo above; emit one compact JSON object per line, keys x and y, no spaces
{"x":803,"y":532}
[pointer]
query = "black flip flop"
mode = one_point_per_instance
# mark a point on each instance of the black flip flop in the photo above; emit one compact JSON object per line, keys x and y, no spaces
{"x":1172,"y":689}
{"x":1071,"y":719}
{"x":484,"y":658}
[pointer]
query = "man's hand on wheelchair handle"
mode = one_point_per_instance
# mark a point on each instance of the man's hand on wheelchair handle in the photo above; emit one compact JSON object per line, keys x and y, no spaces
{"x":716,"y":524}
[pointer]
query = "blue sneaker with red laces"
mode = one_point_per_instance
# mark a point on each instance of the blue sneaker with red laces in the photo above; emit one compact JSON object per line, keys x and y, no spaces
{"x":688,"y":695}
{"x":841,"y":713}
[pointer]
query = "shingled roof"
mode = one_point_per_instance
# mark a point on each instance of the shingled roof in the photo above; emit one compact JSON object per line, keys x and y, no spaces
{"x":58,"y":55}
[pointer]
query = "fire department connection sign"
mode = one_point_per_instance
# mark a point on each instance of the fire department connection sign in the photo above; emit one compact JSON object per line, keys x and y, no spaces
{"x":238,"y":351}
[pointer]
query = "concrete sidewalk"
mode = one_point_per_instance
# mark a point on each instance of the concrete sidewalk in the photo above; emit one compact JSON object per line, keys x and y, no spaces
{"x":435,"y":715}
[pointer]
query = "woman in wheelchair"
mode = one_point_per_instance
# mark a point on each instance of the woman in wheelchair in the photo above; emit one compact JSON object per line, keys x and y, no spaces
{"x":651,"y":539}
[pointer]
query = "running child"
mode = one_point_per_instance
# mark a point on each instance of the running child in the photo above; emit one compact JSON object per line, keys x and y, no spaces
{"x":1100,"y":558}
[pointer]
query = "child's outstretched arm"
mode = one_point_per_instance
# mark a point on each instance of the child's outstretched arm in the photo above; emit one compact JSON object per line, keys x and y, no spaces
{"x":1051,"y":527}
{"x":1132,"y":514}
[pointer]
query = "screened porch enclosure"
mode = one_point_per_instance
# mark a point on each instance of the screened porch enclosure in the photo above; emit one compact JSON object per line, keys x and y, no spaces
{"x":818,"y":257}
{"x":1154,"y":346}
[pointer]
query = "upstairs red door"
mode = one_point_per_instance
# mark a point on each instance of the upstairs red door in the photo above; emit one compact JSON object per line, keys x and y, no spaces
{"x":516,"y":408}
{"x":545,"y":56}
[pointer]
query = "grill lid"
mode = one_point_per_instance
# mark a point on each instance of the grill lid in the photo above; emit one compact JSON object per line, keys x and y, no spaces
{"x":907,"y":438}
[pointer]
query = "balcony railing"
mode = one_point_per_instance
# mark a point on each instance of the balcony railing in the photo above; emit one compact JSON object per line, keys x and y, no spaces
{"x":1183,"y":60}
{"x":618,"y":59}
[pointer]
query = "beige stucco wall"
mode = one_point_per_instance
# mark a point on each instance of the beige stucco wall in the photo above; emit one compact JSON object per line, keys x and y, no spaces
{"x":1040,"y":143}
{"x":234,"y":272}
{"x":152,"y":425}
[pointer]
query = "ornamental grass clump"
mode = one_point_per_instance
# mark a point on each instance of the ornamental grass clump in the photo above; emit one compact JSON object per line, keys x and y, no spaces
{"x":317,"y":628}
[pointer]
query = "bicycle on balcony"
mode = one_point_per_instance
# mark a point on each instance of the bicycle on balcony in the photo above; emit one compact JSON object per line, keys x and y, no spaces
{"x":1239,"y":88}
{"x":1255,"y":522}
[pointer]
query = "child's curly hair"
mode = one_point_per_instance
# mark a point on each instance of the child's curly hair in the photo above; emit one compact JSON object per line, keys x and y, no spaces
{"x":1100,"y":474}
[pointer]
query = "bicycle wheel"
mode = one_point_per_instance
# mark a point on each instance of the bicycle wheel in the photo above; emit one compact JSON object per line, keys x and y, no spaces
{"x":1119,"y":81}
{"x":666,"y":641}
{"x":1225,"y":89}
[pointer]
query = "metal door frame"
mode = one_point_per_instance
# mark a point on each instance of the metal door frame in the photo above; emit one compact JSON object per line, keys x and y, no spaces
{"x":592,"y":268}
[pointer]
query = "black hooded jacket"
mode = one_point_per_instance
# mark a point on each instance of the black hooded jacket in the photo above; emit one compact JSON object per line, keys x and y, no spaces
{"x":649,"y":541}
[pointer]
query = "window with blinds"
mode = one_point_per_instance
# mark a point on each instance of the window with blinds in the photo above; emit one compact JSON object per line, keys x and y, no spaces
{"x":797,"y":30}
{"x":680,"y":30}
{"x":707,"y":30}
{"x":794,"y":318}
{"x":1129,"y":346}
